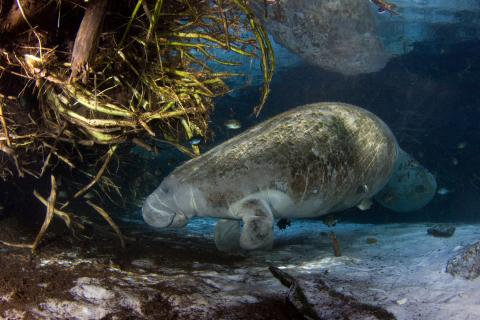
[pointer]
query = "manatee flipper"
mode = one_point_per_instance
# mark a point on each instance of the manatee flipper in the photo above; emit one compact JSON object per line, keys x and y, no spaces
{"x":257,"y":233}
{"x":179,"y":221}
{"x":227,"y":235}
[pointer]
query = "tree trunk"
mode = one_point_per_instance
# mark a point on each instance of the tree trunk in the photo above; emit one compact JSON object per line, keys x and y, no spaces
{"x":87,"y":39}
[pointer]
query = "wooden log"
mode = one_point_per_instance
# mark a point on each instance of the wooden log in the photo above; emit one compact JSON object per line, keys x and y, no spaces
{"x":86,"y":40}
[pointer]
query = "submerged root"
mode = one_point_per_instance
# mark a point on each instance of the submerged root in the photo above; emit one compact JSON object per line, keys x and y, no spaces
{"x":51,"y":211}
{"x":16,"y":245}
{"x":48,"y":217}
{"x":110,"y":221}
{"x":100,"y":173}
{"x":65,"y":216}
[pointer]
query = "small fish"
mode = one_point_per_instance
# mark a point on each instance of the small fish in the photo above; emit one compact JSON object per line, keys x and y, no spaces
{"x":462,"y":145}
{"x":443,"y":191}
{"x":384,"y":6}
{"x":365,"y":204}
{"x":232,"y":124}
{"x":195,"y":140}
{"x":89,"y":195}
{"x":454,"y":161}
{"x":330,"y":221}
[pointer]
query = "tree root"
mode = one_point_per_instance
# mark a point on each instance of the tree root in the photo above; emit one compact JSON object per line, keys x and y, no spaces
{"x":110,"y":221}
{"x":65,"y":216}
{"x":100,"y":173}
{"x":48,"y":217}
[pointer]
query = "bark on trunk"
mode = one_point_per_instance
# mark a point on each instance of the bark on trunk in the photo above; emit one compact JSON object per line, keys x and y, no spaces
{"x":86,"y":39}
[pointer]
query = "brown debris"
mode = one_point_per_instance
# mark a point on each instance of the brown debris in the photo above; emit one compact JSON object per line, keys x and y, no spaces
{"x":335,"y":244}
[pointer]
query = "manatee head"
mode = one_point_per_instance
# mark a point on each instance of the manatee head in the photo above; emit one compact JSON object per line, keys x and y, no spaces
{"x":170,"y":205}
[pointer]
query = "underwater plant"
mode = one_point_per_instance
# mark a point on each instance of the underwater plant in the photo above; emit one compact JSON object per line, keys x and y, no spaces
{"x":82,"y":82}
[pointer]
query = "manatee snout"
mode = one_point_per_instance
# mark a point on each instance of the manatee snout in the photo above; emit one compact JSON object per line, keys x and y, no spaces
{"x":161,"y":211}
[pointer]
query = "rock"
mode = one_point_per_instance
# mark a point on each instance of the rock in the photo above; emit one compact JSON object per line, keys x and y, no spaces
{"x":90,"y":290}
{"x":13,"y":314}
{"x":466,"y":264}
{"x":93,"y":299}
{"x":56,"y":309}
{"x":143,"y":263}
{"x":441,"y":231}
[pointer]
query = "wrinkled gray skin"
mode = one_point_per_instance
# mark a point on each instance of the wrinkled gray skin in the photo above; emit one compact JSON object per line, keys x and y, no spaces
{"x":307,"y":162}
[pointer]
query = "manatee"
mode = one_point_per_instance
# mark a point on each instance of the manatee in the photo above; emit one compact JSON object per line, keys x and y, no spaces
{"x":304,"y":163}
{"x":411,"y":186}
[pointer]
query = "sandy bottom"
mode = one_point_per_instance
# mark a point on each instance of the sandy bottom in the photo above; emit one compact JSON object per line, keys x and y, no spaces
{"x":179,"y":274}
{"x":403,"y":272}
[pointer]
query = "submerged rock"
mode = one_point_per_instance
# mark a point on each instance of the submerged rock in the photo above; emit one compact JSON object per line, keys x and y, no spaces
{"x":13,"y":314}
{"x":466,"y":264}
{"x":93,"y":299}
{"x":441,"y":231}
